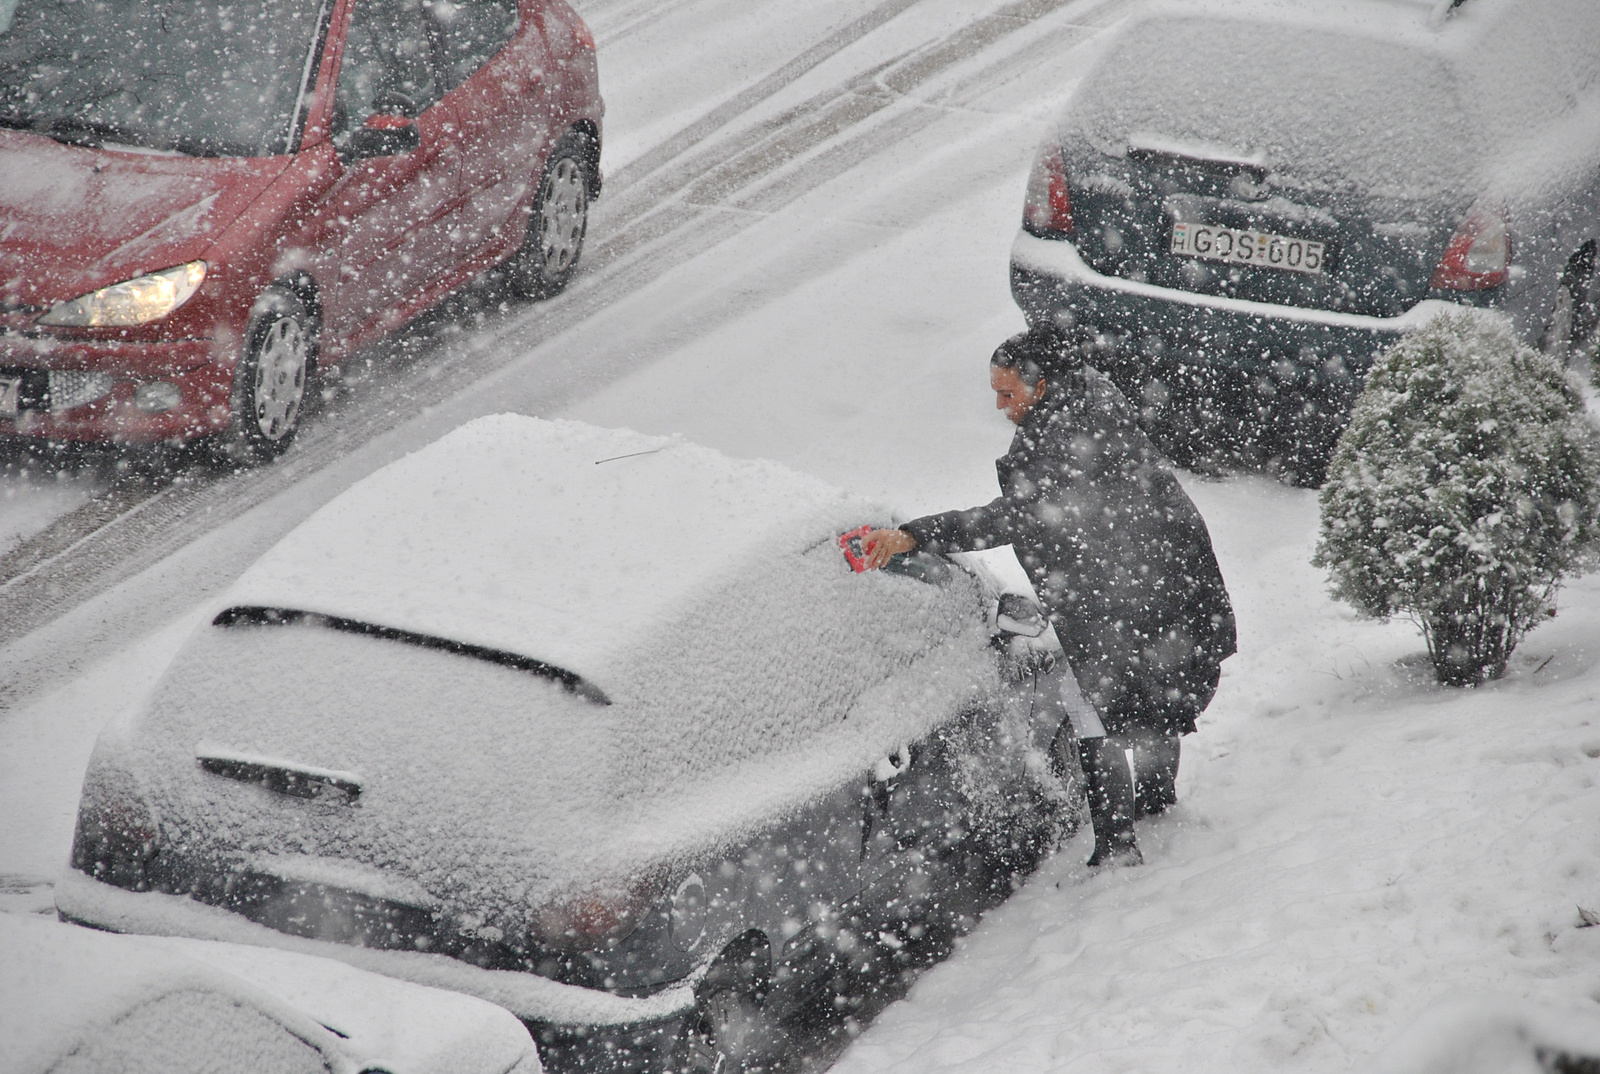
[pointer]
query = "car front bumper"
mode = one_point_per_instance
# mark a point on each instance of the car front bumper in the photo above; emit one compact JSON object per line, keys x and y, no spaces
{"x":561,"y":1009}
{"x":89,"y":390}
{"x":1051,"y":281}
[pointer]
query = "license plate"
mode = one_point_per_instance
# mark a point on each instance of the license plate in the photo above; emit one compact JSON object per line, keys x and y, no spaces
{"x":10,"y":396}
{"x":1213,"y":243}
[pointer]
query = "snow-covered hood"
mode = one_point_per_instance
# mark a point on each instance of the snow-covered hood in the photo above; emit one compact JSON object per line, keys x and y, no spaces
{"x":73,"y":219}
{"x":62,"y":985}
{"x":553,"y":540}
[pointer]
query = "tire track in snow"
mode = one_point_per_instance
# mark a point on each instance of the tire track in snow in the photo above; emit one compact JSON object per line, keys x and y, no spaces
{"x":143,"y":520}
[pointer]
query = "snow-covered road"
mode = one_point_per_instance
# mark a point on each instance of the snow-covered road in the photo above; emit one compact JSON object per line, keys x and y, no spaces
{"x":816,"y":273}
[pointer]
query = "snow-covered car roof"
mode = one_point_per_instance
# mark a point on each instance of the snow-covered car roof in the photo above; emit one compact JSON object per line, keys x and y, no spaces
{"x":557,"y":541}
{"x":62,"y":986}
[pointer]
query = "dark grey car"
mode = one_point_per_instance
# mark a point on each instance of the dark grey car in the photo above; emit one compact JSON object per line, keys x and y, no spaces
{"x":1241,"y":205}
{"x":600,"y":727}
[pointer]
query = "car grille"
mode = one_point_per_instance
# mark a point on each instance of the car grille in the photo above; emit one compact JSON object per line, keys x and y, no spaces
{"x":72,"y":388}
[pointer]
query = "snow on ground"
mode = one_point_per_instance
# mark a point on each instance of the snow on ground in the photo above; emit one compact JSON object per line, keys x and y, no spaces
{"x":1353,"y":843}
{"x":32,"y":496}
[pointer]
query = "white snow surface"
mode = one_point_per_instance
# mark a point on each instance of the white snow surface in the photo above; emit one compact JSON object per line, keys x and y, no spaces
{"x":554,"y":540}
{"x":1489,"y":1035}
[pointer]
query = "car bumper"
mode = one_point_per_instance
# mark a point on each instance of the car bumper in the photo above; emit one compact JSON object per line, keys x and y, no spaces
{"x":559,"y":1009}
{"x":82,"y":390}
{"x":1049,"y":280}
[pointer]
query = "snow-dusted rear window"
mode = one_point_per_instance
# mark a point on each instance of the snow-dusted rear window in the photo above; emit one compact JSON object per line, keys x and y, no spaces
{"x":1322,"y":108}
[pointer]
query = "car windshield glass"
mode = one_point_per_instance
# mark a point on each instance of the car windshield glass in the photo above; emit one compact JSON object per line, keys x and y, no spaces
{"x":1322,"y":109}
{"x":205,"y":77}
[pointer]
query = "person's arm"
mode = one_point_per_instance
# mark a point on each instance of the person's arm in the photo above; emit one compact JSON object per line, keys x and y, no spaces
{"x":988,"y":526}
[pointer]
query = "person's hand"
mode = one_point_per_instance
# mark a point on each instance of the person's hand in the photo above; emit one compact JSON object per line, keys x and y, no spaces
{"x":881,"y":544}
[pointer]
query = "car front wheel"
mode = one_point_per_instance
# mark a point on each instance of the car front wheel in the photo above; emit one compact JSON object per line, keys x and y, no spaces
{"x":556,"y":228}
{"x":269,"y":385}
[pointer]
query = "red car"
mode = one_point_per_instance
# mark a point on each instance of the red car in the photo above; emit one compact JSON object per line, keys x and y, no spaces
{"x":201,"y":202}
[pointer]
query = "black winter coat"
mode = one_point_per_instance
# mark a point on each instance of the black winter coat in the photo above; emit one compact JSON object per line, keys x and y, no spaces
{"x":1116,"y":550}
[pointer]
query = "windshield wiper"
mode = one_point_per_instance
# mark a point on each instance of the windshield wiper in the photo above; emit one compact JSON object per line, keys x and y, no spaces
{"x":70,"y":130}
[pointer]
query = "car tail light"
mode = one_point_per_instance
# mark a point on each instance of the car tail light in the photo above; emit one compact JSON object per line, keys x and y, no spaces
{"x":1047,"y":210}
{"x":117,"y":837}
{"x":599,"y":917}
{"x":1479,"y":254}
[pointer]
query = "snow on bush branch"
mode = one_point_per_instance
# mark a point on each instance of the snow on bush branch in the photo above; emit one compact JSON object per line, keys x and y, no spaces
{"x":1466,"y":487}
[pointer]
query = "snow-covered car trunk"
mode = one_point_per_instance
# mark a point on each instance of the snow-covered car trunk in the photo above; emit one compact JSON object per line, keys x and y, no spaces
{"x":1204,"y":122}
{"x":568,"y":701}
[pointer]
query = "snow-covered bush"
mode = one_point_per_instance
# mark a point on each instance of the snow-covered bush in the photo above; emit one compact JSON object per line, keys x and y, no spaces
{"x":1465,"y":488}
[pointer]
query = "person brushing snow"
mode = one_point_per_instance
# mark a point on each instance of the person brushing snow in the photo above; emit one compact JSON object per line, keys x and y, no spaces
{"x":1120,"y":559}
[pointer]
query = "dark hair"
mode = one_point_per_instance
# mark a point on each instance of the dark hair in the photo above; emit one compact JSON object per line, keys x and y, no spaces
{"x":1042,"y":352}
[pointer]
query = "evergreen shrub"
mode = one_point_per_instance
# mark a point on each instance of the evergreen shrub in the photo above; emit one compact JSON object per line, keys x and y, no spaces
{"x":1465,"y":488}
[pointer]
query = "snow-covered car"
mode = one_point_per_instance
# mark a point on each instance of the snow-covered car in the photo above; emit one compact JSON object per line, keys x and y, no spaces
{"x":1243,"y":201}
{"x":599,"y":726}
{"x":80,"y":1001}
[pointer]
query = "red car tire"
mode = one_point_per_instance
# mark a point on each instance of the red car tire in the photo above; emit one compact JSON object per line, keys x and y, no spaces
{"x":545,"y":264}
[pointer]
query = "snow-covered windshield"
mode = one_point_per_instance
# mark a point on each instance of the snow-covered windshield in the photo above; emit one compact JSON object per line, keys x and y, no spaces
{"x":1322,"y":108}
{"x":205,"y":77}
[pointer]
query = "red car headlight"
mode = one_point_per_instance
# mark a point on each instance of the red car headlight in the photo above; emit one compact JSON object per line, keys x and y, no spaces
{"x":132,"y":302}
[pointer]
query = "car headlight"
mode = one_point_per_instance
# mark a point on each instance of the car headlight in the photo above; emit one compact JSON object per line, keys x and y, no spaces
{"x":136,"y":301}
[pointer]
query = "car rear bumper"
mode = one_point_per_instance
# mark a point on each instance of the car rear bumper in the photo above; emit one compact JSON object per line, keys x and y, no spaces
{"x":1049,"y":280}
{"x":561,"y":1009}
{"x":83,"y":390}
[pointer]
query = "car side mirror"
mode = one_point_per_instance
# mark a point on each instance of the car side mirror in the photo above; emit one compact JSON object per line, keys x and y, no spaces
{"x":380,"y":139}
{"x":390,"y":130}
{"x":1018,"y":614}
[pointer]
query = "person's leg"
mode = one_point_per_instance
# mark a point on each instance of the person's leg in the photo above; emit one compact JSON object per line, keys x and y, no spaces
{"x":1155,"y":766}
{"x":1109,"y":787}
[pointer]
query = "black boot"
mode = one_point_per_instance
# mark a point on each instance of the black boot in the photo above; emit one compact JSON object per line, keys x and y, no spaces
{"x":1109,"y":788}
{"x":1155,"y":766}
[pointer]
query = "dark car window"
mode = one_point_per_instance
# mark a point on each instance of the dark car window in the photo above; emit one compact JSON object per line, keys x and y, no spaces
{"x":206,"y":77}
{"x":470,"y":32}
{"x":420,"y":48}
{"x":389,"y":50}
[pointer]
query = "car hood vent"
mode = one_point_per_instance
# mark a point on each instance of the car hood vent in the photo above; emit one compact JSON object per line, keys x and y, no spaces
{"x":259,"y":616}
{"x":280,"y":776}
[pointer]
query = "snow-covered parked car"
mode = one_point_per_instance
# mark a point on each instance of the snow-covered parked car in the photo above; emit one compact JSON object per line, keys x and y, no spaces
{"x":599,"y":726}
{"x":1244,"y":201}
{"x":80,"y":1001}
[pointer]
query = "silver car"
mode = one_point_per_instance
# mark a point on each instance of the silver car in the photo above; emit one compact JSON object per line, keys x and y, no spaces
{"x":600,"y":727}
